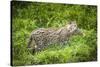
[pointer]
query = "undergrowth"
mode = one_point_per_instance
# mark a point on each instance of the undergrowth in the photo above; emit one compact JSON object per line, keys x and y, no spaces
{"x":28,"y":16}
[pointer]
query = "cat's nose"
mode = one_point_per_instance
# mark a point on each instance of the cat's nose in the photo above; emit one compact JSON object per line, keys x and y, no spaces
{"x":82,"y":33}
{"x":79,"y":31}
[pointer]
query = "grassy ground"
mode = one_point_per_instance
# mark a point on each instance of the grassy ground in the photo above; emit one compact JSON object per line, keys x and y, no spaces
{"x":27,"y":16}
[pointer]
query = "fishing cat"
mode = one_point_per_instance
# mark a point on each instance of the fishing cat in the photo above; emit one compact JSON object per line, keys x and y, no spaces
{"x":43,"y":37}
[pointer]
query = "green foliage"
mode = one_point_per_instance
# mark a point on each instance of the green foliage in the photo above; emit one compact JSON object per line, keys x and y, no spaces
{"x":27,"y":16}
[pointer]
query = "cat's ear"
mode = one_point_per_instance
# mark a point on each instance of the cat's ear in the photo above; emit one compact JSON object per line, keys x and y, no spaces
{"x":72,"y":22}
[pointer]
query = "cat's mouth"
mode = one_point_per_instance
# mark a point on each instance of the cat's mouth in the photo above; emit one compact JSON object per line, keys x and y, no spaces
{"x":79,"y":32}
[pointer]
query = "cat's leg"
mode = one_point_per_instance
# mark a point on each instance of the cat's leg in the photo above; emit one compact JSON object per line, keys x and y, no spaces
{"x":39,"y":47}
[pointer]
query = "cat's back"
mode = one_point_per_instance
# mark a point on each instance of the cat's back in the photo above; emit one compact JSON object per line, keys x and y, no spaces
{"x":43,"y":31}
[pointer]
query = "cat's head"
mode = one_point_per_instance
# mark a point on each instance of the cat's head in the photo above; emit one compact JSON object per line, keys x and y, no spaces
{"x":73,"y":28}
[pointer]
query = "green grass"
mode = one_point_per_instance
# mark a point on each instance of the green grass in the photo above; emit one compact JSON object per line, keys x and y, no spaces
{"x":27,"y":16}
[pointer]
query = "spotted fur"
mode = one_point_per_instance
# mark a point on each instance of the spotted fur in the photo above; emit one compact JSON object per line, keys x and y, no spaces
{"x":43,"y":37}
